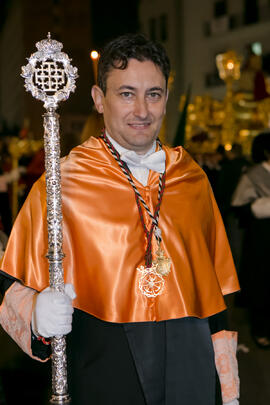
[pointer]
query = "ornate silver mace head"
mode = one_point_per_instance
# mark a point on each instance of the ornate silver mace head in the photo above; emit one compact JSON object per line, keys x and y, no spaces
{"x":49,"y":75}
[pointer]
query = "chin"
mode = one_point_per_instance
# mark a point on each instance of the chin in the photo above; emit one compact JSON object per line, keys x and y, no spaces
{"x":142,"y":140}
{"x":143,"y":134}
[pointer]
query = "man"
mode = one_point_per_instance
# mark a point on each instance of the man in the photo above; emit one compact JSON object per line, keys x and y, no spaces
{"x":145,"y":251}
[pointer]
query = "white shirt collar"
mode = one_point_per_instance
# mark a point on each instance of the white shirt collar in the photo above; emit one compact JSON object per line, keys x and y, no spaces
{"x":120,"y":149}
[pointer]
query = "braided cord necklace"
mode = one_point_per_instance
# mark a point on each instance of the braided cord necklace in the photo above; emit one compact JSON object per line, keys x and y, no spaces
{"x":162,"y":263}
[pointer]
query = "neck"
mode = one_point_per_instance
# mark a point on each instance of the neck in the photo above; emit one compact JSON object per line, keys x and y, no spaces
{"x":121,"y":149}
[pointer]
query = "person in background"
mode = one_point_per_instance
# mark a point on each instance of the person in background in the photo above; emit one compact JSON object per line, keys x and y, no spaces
{"x":212,"y":166}
{"x":231,"y":170}
{"x":251,"y":201}
{"x":7,"y":176}
{"x":252,"y":79}
{"x":33,"y":171}
{"x":5,"y":211}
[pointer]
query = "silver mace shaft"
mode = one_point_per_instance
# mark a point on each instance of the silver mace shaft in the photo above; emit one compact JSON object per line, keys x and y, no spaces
{"x":55,"y":254}
{"x":50,"y":77}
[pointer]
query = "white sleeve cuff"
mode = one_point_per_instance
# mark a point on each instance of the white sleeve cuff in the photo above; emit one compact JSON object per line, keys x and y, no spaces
{"x":234,"y":402}
{"x":225,"y":344}
{"x":15,"y":315}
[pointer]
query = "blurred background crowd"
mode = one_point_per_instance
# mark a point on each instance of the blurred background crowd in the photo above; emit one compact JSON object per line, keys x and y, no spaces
{"x":218,"y":109}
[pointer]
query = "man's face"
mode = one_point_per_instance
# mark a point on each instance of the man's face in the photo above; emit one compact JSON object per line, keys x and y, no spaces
{"x":134,"y":104}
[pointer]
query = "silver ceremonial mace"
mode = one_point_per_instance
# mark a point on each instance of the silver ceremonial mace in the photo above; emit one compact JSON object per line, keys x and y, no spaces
{"x":50,"y":77}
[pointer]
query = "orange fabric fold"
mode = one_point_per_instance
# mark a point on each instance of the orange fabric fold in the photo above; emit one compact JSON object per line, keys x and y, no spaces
{"x":104,"y":242}
{"x":225,"y":345}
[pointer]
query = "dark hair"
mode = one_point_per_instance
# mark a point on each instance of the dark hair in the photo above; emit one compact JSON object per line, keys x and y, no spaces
{"x":117,"y":53}
{"x":261,"y":147}
{"x":237,"y":149}
{"x":221,"y":150}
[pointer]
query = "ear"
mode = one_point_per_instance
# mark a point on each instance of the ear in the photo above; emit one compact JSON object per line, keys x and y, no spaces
{"x":98,"y":97}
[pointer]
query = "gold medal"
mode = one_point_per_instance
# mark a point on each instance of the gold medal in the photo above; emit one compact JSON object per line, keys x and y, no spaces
{"x":163,"y":263}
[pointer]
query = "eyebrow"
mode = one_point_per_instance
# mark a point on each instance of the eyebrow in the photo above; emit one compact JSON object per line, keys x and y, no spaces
{"x":157,"y":88}
{"x":126,"y":87}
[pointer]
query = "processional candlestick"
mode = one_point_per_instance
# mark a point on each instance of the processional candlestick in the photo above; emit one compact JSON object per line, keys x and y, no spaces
{"x":50,"y":77}
{"x":228,"y":65}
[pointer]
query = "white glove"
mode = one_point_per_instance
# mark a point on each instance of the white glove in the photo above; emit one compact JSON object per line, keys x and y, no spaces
{"x":52,"y":314}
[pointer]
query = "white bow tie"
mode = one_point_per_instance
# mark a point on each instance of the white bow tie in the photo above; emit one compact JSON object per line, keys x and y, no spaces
{"x":155,"y":161}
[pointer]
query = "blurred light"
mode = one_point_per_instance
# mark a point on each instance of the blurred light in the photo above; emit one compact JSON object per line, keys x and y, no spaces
{"x":94,"y":55}
{"x":192,"y":117}
{"x":244,"y":132}
{"x":228,"y":146}
{"x":230,"y":65}
{"x":256,"y":48}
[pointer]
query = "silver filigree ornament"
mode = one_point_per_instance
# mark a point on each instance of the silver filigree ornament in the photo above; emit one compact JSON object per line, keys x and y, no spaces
{"x":49,"y":75}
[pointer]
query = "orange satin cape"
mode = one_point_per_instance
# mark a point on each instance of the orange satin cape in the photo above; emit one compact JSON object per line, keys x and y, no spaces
{"x":104,"y":242}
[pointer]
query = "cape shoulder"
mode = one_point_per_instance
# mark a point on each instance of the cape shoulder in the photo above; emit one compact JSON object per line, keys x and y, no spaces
{"x":93,"y":154}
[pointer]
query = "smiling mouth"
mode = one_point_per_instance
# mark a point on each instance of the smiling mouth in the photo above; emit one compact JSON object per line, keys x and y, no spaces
{"x":137,"y":125}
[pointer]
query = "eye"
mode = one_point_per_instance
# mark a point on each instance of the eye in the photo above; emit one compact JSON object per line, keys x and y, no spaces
{"x":154,"y":95}
{"x":126,"y":94}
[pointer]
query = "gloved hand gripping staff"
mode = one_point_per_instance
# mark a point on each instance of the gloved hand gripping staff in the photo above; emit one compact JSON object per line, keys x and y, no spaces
{"x":50,"y":77}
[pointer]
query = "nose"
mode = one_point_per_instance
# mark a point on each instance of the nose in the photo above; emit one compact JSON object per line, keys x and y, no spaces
{"x":141,"y":108}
